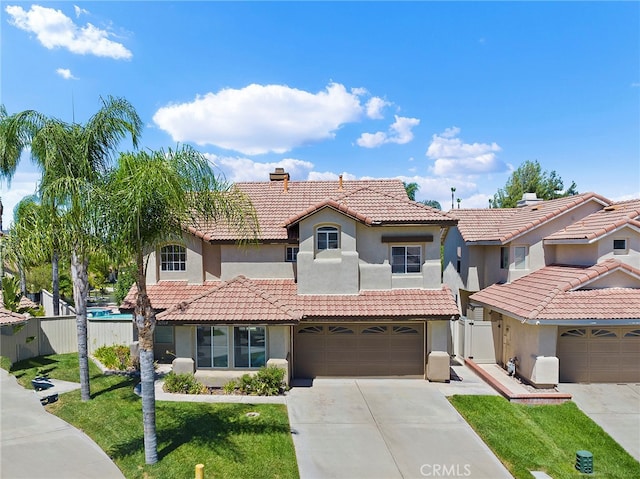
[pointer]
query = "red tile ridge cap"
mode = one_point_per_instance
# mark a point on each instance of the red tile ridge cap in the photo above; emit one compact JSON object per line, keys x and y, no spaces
{"x":327,"y":203}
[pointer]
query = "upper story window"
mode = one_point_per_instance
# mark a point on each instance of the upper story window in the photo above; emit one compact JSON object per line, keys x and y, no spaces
{"x":620,"y":246}
{"x":327,"y":238}
{"x":504,"y":257}
{"x":520,"y":257}
{"x":292,"y":254}
{"x":173,"y":257}
{"x":406,"y":259}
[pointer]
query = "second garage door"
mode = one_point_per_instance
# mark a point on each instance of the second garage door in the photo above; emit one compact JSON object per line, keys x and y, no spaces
{"x":354,"y":349}
{"x":599,"y":354}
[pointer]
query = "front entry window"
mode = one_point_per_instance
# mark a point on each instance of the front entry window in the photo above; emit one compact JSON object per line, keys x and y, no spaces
{"x":213,"y":347}
{"x":249,"y":344}
{"x":327,"y":238}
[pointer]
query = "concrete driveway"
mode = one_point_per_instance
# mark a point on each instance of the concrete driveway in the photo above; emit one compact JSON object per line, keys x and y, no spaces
{"x":614,"y":407}
{"x":35,"y":443}
{"x":384,"y":428}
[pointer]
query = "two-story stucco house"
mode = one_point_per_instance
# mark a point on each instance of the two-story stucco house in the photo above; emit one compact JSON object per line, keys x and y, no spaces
{"x":559,"y":281}
{"x":345,"y":281}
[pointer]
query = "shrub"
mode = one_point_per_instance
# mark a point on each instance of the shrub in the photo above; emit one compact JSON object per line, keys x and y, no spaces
{"x":230,"y":387}
{"x":268,"y":381}
{"x":115,"y":357}
{"x":183,"y":383}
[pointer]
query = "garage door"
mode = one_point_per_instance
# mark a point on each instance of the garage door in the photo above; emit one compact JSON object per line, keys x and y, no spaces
{"x":599,"y":354}
{"x":348,"y":349}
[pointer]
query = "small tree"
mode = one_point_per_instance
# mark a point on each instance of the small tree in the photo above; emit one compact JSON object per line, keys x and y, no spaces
{"x":529,"y":178}
{"x":152,"y":197}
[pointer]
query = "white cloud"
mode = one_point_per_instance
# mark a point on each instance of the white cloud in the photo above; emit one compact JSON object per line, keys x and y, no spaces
{"x":23,"y":184}
{"x":399,"y":133}
{"x":375,"y":105}
{"x":65,"y":73}
{"x":259,"y":119}
{"x":635,"y":85}
{"x":452,"y":157}
{"x":79,"y":11}
{"x":439,"y":189}
{"x":329,"y":176}
{"x":56,"y":30}
{"x":238,"y":169}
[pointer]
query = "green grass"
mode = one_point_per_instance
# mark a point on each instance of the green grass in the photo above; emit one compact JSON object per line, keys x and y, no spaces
{"x":220,"y":436}
{"x":5,"y":363}
{"x":544,"y":438}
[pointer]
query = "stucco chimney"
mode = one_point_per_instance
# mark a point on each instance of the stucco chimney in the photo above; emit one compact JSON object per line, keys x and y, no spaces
{"x":286,"y":183}
{"x":340,"y":182}
{"x":279,"y":175}
{"x":529,"y":199}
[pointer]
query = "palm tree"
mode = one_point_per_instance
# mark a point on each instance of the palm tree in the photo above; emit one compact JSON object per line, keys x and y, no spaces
{"x":152,"y":197}
{"x":72,"y":158}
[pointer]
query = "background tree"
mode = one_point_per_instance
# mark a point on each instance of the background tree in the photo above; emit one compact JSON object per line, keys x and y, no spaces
{"x":72,"y":158}
{"x":152,"y":197}
{"x":529,"y":178}
{"x":412,"y":189}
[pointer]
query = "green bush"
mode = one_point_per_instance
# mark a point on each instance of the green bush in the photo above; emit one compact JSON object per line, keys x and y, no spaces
{"x":230,"y":387}
{"x":115,"y":357}
{"x":268,"y":381}
{"x":183,"y":383}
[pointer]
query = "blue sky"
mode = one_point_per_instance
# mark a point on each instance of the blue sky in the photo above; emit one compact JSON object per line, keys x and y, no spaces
{"x":444,"y":94}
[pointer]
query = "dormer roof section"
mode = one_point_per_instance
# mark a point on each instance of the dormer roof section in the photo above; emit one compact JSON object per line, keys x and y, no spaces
{"x":600,"y":224}
{"x":503,"y":225}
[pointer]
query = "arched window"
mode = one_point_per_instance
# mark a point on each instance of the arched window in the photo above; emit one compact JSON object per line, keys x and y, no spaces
{"x":327,"y":238}
{"x":173,"y":257}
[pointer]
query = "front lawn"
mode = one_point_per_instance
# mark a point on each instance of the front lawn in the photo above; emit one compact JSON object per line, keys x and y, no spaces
{"x":544,"y":438}
{"x":220,"y":436}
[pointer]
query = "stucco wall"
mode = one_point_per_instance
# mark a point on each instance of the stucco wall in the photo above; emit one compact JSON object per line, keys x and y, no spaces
{"x":438,"y":336}
{"x":575,"y":254}
{"x":278,"y":342}
{"x":526,"y":342}
{"x":264,"y":261}
{"x":632,"y":257}
{"x":185,"y":342}
{"x":211,"y":261}
{"x":329,"y":271}
{"x":618,"y":279}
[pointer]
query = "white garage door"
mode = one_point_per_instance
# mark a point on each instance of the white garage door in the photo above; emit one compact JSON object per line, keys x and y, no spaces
{"x":599,"y":354}
{"x":354,"y":349}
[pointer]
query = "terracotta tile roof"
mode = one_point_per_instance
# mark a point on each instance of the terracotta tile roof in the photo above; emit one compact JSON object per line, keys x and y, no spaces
{"x":236,"y":301}
{"x":600,"y":223}
{"x":552,"y":293}
{"x":270,"y":300}
{"x":501,"y":225}
{"x":167,"y":293}
{"x":27,"y":303}
{"x":370,"y":201}
{"x":9,"y":317}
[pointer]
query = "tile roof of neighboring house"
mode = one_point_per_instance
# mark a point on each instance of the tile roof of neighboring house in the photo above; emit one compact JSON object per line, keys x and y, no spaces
{"x":501,"y":225}
{"x":27,"y":303}
{"x":551,"y":293}
{"x":600,"y":223}
{"x":9,"y":317}
{"x":369,"y":201}
{"x":276,"y":300}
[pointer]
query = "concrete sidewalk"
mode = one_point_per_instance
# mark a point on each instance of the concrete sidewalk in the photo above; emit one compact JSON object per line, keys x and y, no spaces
{"x":34,"y":443}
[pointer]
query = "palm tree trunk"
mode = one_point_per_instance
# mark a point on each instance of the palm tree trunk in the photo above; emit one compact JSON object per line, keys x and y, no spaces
{"x":145,"y":319}
{"x":55,"y":282}
{"x":80,"y":287}
{"x":23,"y":279}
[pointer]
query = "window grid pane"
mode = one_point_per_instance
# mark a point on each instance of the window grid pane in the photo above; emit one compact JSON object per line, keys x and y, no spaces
{"x":406,"y":259}
{"x":327,"y":238}
{"x":173,"y":258}
{"x":249,"y":346}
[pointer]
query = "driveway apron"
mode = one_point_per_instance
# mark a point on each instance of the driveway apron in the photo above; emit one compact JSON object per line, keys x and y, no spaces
{"x":384,"y":428}
{"x":35,"y":443}
{"x":614,"y":407}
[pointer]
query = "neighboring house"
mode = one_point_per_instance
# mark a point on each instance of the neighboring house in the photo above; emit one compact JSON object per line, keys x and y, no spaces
{"x":345,"y":281}
{"x":560,"y":282}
